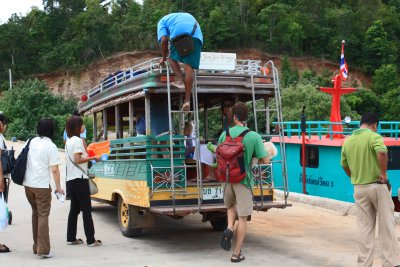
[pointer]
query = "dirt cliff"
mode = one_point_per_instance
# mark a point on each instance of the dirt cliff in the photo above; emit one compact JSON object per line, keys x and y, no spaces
{"x":75,"y":85}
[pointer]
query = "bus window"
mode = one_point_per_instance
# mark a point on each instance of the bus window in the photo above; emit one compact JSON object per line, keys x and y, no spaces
{"x":312,"y":156}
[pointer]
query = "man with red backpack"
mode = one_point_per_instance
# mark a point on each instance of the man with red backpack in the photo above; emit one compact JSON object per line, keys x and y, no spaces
{"x":236,"y":148}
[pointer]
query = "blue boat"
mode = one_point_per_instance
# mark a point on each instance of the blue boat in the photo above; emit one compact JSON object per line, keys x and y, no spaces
{"x":324,"y":174}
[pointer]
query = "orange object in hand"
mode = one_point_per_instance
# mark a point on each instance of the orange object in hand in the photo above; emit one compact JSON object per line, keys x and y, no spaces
{"x":98,"y":149}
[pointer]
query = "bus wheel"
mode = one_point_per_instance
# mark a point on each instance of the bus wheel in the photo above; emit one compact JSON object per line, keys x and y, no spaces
{"x":127,"y":215}
{"x":219,"y":224}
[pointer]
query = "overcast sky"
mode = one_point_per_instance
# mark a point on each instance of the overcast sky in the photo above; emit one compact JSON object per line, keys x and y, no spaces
{"x":8,"y":7}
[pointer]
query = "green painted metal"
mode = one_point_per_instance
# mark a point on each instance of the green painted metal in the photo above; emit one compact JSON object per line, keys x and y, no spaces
{"x":131,"y":158}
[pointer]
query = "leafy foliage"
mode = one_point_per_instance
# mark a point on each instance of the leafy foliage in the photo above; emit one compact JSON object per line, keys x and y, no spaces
{"x":376,"y":47}
{"x":385,"y":79}
{"x":364,"y":101}
{"x":30,"y":101}
{"x":70,"y":34}
{"x":390,"y":104}
{"x":317,"y":103}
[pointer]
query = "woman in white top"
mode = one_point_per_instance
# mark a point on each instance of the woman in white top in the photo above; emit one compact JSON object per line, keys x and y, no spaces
{"x":43,"y":161}
{"x":3,"y":128}
{"x":76,"y":158}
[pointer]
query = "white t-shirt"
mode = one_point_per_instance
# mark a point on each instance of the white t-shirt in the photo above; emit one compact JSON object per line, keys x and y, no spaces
{"x":42,"y":155}
{"x":2,"y":142}
{"x":72,"y":146}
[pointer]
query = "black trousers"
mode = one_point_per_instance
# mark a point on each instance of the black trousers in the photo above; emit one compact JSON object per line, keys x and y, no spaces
{"x":80,"y":201}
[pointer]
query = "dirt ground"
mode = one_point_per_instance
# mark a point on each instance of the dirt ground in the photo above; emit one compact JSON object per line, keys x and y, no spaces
{"x":298,"y":236}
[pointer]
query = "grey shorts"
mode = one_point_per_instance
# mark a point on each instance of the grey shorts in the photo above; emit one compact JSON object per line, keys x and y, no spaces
{"x":239,"y":195}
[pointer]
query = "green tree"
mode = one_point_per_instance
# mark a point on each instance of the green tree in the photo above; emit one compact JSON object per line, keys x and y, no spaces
{"x":288,"y":76}
{"x":363,"y":101}
{"x":222,"y":29}
{"x":30,"y":101}
{"x":391,"y":105}
{"x":376,"y":47}
{"x":318,"y":104}
{"x":268,"y":19}
{"x":385,"y":79}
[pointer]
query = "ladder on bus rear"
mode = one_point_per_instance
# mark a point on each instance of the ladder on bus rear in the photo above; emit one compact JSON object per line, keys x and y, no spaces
{"x":280,"y":134}
{"x":196,"y":138}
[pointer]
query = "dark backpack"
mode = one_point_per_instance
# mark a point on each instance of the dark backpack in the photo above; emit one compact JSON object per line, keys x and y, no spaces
{"x":7,"y":161}
{"x":18,"y":173}
{"x":230,"y":159}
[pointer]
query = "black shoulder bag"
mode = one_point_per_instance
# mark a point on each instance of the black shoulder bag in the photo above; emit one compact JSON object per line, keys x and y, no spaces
{"x":18,"y":173}
{"x":184,"y":43}
{"x":7,"y":159}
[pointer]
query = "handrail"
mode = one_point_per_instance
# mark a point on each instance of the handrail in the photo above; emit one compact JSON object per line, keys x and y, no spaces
{"x":152,"y":66}
{"x":322,"y":128}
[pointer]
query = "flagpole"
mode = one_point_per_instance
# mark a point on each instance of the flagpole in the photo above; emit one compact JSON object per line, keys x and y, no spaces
{"x":10,"y":77}
{"x":343,"y":42}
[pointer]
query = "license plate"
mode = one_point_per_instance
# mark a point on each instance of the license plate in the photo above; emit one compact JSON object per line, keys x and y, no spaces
{"x":210,"y":193}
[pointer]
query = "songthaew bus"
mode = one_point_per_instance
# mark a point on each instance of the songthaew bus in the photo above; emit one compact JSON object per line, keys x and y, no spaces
{"x":137,"y":122}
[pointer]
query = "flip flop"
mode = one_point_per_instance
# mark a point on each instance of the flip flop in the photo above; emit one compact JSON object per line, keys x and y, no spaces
{"x":178,"y":85}
{"x":76,"y":242}
{"x":186,"y":106}
{"x":5,"y":250}
{"x":237,"y":258}
{"x":226,"y":241}
{"x":96,"y":243}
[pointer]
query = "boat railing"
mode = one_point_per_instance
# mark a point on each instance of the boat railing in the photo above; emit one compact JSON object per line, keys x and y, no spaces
{"x":325,"y":128}
{"x":245,"y":67}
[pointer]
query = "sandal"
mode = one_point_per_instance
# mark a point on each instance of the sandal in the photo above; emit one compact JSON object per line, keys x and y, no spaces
{"x":226,"y":241}
{"x":96,"y":243}
{"x":237,"y":258}
{"x":5,"y":250}
{"x":186,"y":106}
{"x":178,"y":85}
{"x":76,"y":242}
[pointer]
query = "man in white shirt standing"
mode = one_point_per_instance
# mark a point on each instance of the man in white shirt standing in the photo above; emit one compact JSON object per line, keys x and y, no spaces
{"x":43,"y":162}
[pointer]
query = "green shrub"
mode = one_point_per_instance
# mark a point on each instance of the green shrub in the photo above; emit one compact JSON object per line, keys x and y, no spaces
{"x":28,"y":102}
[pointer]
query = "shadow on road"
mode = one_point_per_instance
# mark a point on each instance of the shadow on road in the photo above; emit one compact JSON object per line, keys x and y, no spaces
{"x":168,"y":231}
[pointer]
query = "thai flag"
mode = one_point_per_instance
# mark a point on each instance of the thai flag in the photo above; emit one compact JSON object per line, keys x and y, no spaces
{"x":343,"y":66}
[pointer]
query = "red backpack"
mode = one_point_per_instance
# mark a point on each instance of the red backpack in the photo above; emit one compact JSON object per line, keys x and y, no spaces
{"x":230,"y":159}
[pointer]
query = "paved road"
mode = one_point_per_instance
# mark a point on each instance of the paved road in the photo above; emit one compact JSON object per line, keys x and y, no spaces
{"x":298,"y":236}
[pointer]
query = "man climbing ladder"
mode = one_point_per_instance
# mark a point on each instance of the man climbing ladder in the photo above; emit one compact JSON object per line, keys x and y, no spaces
{"x":186,"y":40}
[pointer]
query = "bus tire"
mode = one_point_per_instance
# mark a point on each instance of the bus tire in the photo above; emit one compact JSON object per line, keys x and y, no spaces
{"x":219,"y":224}
{"x":127,"y":215}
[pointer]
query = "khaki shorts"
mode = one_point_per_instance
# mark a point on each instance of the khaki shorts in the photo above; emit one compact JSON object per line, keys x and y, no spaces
{"x":240,"y":195}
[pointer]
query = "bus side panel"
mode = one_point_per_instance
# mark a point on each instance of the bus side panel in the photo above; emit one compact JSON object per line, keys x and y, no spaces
{"x":125,"y":178}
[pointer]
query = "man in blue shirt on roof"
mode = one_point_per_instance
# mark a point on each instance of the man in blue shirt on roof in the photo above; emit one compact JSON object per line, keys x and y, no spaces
{"x":175,"y":26}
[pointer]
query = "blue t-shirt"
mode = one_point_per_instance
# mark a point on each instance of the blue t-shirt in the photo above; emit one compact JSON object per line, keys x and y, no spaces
{"x":175,"y":24}
{"x":141,"y":124}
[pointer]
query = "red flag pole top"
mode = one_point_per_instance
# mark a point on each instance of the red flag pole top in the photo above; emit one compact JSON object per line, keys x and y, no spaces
{"x":337,"y":91}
